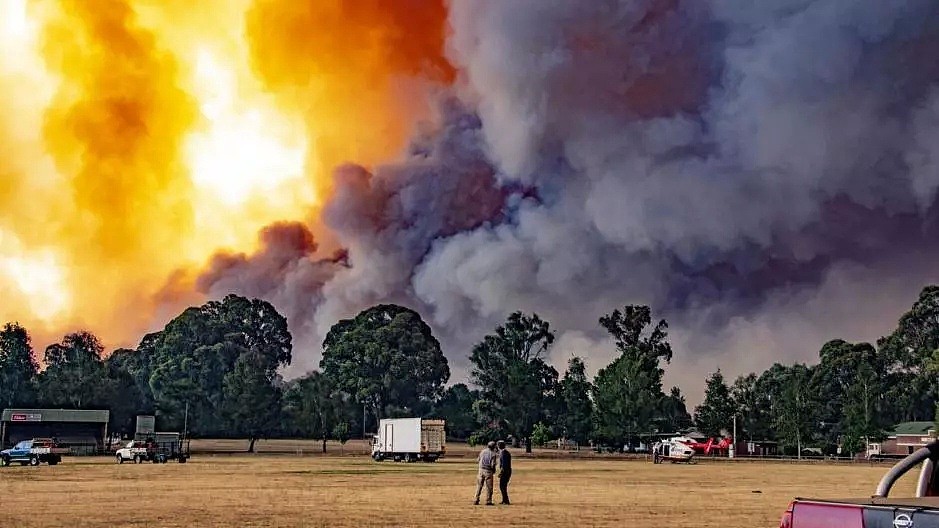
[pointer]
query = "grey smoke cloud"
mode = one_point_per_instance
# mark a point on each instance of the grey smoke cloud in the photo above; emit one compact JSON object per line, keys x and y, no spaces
{"x":755,"y":171}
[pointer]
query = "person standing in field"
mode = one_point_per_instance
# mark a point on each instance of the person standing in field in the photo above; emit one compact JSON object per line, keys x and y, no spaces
{"x":505,"y":471}
{"x":487,"y":466}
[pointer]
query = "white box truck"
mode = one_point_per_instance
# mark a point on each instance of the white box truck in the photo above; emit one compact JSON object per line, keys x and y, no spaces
{"x":410,"y":440}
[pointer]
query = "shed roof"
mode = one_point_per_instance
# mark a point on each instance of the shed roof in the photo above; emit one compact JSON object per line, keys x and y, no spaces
{"x":912,"y":428}
{"x":59,"y":415}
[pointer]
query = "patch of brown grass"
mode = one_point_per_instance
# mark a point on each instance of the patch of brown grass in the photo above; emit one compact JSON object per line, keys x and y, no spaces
{"x":267,"y":491}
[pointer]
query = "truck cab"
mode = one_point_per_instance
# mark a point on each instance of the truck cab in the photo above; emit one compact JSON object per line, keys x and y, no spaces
{"x":33,"y":452}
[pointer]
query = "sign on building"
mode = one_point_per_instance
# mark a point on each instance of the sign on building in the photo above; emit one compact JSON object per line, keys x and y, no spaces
{"x":26,"y":417}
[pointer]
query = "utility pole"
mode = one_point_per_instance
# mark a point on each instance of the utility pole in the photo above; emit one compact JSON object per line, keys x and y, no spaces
{"x":186,"y":422}
{"x":733,"y":439}
{"x":363,"y":420}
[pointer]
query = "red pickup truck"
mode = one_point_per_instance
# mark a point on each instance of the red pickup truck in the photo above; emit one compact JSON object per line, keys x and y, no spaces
{"x":880,"y":510}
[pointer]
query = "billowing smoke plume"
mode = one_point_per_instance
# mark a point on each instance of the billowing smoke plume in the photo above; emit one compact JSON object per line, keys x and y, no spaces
{"x":140,"y":138}
{"x":386,"y":221}
{"x":763,"y":174}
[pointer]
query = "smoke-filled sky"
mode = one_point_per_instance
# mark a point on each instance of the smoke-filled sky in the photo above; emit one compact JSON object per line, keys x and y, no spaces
{"x":763,"y":174}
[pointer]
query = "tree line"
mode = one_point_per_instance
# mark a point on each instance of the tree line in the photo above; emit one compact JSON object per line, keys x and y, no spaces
{"x":854,"y":394}
{"x":213,"y":370}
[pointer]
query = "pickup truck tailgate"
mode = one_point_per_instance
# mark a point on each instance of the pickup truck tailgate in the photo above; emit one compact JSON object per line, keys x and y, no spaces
{"x":866,"y":513}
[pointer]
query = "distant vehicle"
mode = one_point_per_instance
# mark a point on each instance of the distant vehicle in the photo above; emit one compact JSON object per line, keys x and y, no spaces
{"x":672,"y":451}
{"x":33,"y":452}
{"x":136,"y":451}
{"x":921,"y":511}
{"x":410,"y":440}
{"x":163,"y":448}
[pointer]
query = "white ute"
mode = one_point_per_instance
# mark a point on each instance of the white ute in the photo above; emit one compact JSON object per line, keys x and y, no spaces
{"x":134,"y":450}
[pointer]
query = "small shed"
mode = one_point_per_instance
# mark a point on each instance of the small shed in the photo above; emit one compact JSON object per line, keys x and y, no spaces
{"x":84,"y":430}
{"x":756,"y":448}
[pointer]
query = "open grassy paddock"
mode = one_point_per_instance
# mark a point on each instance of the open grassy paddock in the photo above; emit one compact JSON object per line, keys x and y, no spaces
{"x":269,"y":489}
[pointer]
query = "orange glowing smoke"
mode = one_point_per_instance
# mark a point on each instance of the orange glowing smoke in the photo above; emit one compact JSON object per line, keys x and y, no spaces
{"x":138,"y":138}
{"x":353,"y":69}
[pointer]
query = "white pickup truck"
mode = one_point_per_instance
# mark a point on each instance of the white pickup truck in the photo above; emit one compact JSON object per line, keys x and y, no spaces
{"x":134,"y":450}
{"x":159,"y":450}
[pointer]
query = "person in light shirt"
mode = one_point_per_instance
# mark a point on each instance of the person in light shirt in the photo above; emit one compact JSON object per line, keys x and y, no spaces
{"x":487,"y":467}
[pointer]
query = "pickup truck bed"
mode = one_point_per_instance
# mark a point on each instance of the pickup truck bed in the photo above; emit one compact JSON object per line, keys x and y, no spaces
{"x":878,"y":511}
{"x":865,"y":513}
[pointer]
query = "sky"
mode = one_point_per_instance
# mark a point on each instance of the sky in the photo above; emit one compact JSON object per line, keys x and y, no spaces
{"x":762,"y":174}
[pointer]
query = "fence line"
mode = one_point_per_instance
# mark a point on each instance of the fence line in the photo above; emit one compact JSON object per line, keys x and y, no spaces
{"x":461,"y":451}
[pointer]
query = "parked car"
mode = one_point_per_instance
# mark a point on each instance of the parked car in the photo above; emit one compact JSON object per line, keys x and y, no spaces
{"x":33,"y":452}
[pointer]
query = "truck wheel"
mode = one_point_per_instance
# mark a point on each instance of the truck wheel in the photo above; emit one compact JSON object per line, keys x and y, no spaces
{"x":33,"y":460}
{"x":54,"y":460}
{"x":182,"y":459}
{"x":5,"y":461}
{"x":408,"y":458}
{"x":120,"y":459}
{"x":137,"y":459}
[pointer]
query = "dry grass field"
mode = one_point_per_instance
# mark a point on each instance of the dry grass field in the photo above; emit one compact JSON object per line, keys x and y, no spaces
{"x":267,"y":490}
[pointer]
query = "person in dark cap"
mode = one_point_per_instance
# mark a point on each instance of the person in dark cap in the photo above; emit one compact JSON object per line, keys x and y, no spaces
{"x":505,"y":471}
{"x":487,"y":466}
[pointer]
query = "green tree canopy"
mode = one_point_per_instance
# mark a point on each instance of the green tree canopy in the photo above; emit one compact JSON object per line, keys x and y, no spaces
{"x":75,"y":376}
{"x":910,"y":355}
{"x":628,"y":394}
{"x":517,"y":387}
{"x":130,"y":396}
{"x":796,"y":413}
{"x":848,"y":382}
{"x":187,"y":362}
{"x":386,"y":357}
{"x":717,"y":410}
{"x":753,"y":405}
{"x":314,"y":407}
{"x":675,"y":415}
{"x":575,"y":408}
{"x":18,"y":367}
{"x":456,"y":407}
{"x":251,"y":400}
